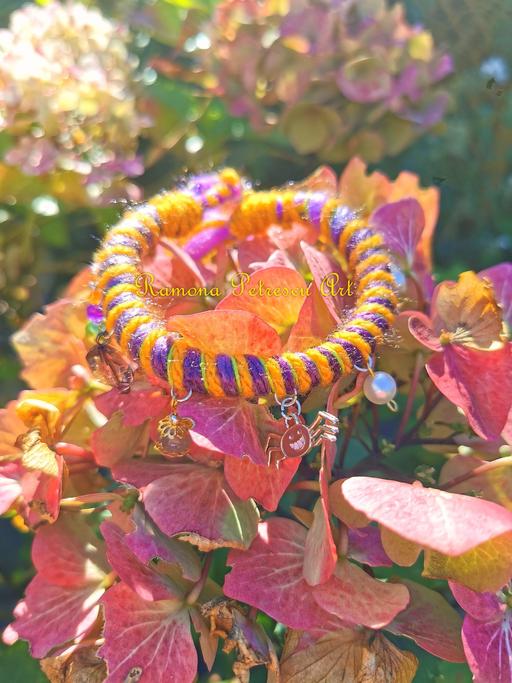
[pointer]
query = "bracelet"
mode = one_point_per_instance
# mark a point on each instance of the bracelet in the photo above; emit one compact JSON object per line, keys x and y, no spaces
{"x":142,"y":334}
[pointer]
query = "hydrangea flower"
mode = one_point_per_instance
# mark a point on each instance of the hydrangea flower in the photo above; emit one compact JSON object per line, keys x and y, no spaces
{"x":67,"y":96}
{"x":340,"y":78}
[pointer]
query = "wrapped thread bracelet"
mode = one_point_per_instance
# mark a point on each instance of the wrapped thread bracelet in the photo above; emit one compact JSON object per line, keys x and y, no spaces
{"x":143,"y":335}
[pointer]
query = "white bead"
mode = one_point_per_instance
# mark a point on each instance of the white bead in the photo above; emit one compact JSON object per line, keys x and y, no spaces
{"x":379,"y":388}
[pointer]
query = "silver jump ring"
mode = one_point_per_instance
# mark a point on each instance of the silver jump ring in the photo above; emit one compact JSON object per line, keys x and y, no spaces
{"x":287,"y":400}
{"x":369,"y":367}
{"x":180,"y":400}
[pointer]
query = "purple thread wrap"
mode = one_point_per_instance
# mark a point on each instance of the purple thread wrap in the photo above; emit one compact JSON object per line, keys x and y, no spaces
{"x":138,"y":337}
{"x":258,"y":376}
{"x":342,"y":215}
{"x":199,"y":184}
{"x":279,"y":209}
{"x":125,"y":318}
{"x":311,"y":369}
{"x":121,"y":299}
{"x":316,"y":203}
{"x":357,"y":238}
{"x":382,"y":301}
{"x":334,"y":363}
{"x":206,"y":240}
{"x":152,"y":212}
{"x":352,"y":352}
{"x":381,"y":322}
{"x":141,"y":229}
{"x":369,"y":252}
{"x":123,"y":279}
{"x":123,"y":241}
{"x":367,"y":336}
{"x":114,"y":260}
{"x":192,"y":376}
{"x":160,"y":354}
{"x":286,"y":372}
{"x":226,"y":375}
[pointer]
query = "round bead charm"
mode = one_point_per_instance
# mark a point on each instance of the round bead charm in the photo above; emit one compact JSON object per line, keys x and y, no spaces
{"x":379,"y":388}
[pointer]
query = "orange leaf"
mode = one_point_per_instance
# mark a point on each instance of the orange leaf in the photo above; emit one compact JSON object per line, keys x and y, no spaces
{"x":361,"y":191}
{"x":349,"y":656}
{"x":484,"y":568}
{"x":50,"y":344}
{"x":466,"y":312}
{"x":274,"y":294}
{"x":227,"y":331}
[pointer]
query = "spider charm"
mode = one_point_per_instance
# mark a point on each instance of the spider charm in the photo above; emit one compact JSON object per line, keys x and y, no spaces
{"x":298,"y":438}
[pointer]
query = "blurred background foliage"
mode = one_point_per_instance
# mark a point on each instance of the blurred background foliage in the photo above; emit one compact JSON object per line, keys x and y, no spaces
{"x":179,"y":86}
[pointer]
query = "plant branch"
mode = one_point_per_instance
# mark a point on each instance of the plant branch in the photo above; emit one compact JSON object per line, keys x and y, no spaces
{"x":198,"y":587}
{"x":418,"y":366}
{"x":481,"y":469}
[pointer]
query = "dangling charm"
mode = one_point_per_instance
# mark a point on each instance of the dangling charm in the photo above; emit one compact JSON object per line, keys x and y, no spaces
{"x":379,"y":387}
{"x":174,"y":431}
{"x":298,"y":438}
{"x":108,"y":365}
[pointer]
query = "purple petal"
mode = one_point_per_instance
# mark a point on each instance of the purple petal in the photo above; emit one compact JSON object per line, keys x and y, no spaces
{"x":365,"y":546}
{"x":401,"y":223}
{"x":488,"y":648}
{"x":481,"y":606}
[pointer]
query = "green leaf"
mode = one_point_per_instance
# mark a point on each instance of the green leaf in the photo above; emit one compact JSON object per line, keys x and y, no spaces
{"x":17,"y":666}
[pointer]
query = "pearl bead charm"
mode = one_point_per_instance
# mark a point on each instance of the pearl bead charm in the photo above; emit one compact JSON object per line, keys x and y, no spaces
{"x":379,"y":388}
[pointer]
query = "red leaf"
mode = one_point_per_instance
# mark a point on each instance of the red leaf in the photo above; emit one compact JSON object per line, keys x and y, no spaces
{"x":230,"y":424}
{"x":195,"y":502}
{"x":140,"y":578}
{"x":136,"y":406}
{"x":330,"y":280}
{"x":10,"y":487}
{"x":51,"y":615}
{"x":147,"y":542}
{"x":431,"y":622}
{"x":44,"y":502}
{"x":401,"y":223}
{"x":320,"y":553}
{"x":151,"y":637}
{"x":446,"y":522}
{"x":265,"y":484}
{"x":141,"y":471}
{"x":478,"y":382}
{"x":314,"y":323}
{"x":421,"y":329}
{"x":67,"y":553}
{"x":269,"y":575}
{"x":115,"y":441}
{"x":351,"y":594}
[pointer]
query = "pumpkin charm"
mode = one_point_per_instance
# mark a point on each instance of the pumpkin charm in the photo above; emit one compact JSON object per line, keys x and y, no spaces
{"x":174,"y":432}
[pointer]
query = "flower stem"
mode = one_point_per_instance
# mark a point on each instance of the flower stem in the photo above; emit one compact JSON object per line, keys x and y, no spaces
{"x":410,"y":398}
{"x":78,"y":501}
{"x":481,"y":469}
{"x":198,"y":587}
